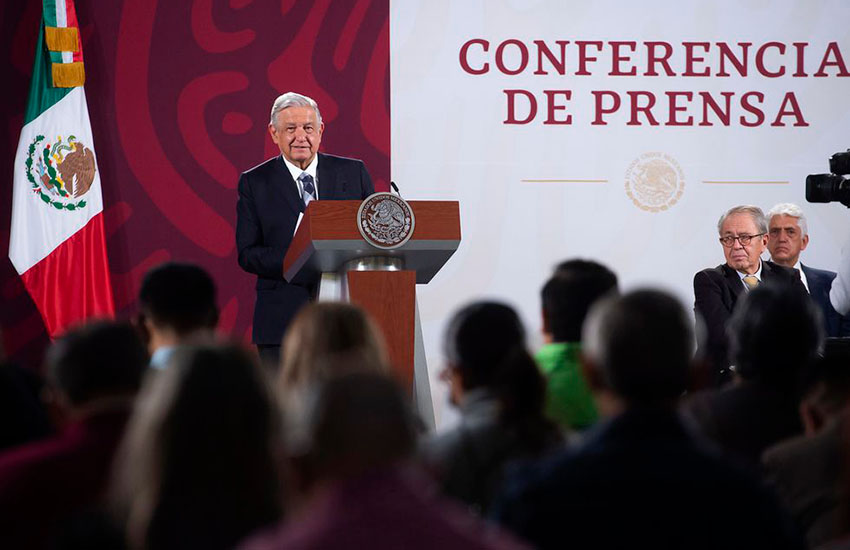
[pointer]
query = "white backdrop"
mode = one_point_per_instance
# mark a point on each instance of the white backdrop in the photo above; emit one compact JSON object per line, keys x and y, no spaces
{"x":450,"y":142}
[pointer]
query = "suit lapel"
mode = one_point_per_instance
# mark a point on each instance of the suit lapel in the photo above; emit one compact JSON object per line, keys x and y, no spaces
{"x":331,"y":182}
{"x":770,"y":272}
{"x":288,"y":186}
{"x":733,"y":281}
{"x":818,"y":285}
{"x":767,"y":272}
{"x":814,"y":279}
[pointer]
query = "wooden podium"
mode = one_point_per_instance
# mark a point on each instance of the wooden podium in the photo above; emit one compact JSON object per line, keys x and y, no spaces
{"x":383,"y":282}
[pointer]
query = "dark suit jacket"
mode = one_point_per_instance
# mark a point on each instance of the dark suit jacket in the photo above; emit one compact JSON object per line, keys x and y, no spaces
{"x":746,"y":418}
{"x":266,"y":213}
{"x":807,"y":473}
{"x":820,"y":281}
{"x":717,"y":291}
{"x":642,"y":481}
{"x":45,"y":484}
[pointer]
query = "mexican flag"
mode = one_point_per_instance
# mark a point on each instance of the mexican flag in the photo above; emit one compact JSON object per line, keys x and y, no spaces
{"x":57,"y":243}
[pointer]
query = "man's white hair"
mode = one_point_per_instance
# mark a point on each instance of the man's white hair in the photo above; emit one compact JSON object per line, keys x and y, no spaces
{"x":293,"y":99}
{"x":790,"y":209}
{"x":755,"y":213}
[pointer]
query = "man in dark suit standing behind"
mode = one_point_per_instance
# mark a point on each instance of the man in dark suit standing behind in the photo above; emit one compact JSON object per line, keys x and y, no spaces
{"x":743,"y":237}
{"x":789,"y":235}
{"x":271,"y":197}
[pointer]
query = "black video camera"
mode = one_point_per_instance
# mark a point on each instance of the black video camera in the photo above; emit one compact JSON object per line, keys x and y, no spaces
{"x":834,"y":187}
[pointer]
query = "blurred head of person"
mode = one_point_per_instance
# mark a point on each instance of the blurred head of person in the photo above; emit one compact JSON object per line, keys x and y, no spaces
{"x":198,"y":465}
{"x":775,"y":332}
{"x":637,"y":350}
{"x":568,"y":295}
{"x":826,"y":386}
{"x":358,"y":422}
{"x":479,"y":338}
{"x":176,"y":302}
{"x":93,"y":366}
{"x":325,"y":339}
{"x":329,"y":336}
{"x":485,"y":350}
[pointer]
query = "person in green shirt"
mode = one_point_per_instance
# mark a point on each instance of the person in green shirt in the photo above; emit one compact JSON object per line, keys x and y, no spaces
{"x":566,"y":298}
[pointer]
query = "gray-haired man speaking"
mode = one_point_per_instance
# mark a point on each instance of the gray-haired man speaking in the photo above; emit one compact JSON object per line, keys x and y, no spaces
{"x":272,"y":195}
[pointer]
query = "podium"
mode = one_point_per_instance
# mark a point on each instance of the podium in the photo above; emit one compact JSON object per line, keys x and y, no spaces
{"x":328,"y":247}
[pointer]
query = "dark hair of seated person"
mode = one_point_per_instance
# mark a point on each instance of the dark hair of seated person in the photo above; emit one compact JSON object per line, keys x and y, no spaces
{"x":101,"y":359}
{"x":568,"y":294}
{"x":775,"y":335}
{"x":485,"y":342}
{"x":23,"y":417}
{"x":360,"y":421}
{"x":180,"y":296}
{"x":640,"y":346}
{"x":198,"y":466}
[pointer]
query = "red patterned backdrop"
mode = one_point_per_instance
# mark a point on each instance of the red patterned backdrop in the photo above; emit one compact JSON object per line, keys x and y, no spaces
{"x":179,"y":95}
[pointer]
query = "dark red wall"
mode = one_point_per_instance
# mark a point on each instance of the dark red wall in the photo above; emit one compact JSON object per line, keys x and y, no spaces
{"x":179,"y":96}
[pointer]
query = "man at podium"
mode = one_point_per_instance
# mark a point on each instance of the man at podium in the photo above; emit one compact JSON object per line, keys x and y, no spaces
{"x":271,"y":198}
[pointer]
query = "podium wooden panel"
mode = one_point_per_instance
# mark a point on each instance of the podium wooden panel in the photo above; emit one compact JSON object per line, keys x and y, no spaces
{"x":328,"y":239}
{"x":395,"y":316}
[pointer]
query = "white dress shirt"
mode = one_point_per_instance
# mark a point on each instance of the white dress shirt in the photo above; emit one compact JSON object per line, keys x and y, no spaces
{"x":802,"y":275}
{"x":296,"y":172}
{"x":757,"y":275}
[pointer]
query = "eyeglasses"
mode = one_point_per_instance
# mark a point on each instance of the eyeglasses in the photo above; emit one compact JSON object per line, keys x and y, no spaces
{"x":729,"y":241}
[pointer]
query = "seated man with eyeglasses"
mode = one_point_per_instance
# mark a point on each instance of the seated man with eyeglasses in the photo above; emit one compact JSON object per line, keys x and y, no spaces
{"x":743,"y":237}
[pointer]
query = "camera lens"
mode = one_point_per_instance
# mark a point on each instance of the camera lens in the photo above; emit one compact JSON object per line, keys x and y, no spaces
{"x":827,"y":188}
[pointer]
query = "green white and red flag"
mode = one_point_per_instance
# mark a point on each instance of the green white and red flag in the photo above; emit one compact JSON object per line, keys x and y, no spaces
{"x":57,"y":241}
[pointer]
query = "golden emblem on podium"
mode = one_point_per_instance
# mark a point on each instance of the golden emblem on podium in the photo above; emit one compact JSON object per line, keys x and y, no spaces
{"x":385,"y":220}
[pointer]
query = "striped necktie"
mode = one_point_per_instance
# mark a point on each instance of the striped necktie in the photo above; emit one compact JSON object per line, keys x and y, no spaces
{"x":308,"y":187}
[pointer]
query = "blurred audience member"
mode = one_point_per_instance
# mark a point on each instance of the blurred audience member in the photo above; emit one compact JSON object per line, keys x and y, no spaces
{"x":566,"y":299}
{"x":325,"y":339}
{"x":363,"y":491}
{"x":93,"y":374}
{"x":22,"y":415}
{"x":807,"y":471}
{"x":789,"y":236}
{"x":640,"y":480}
{"x":500,"y":394}
{"x":177,"y":304}
{"x":198,"y":466}
{"x":323,"y":333}
{"x":774,"y":334}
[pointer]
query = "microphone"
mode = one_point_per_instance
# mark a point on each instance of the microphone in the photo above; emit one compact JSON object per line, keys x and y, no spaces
{"x":395,"y":188}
